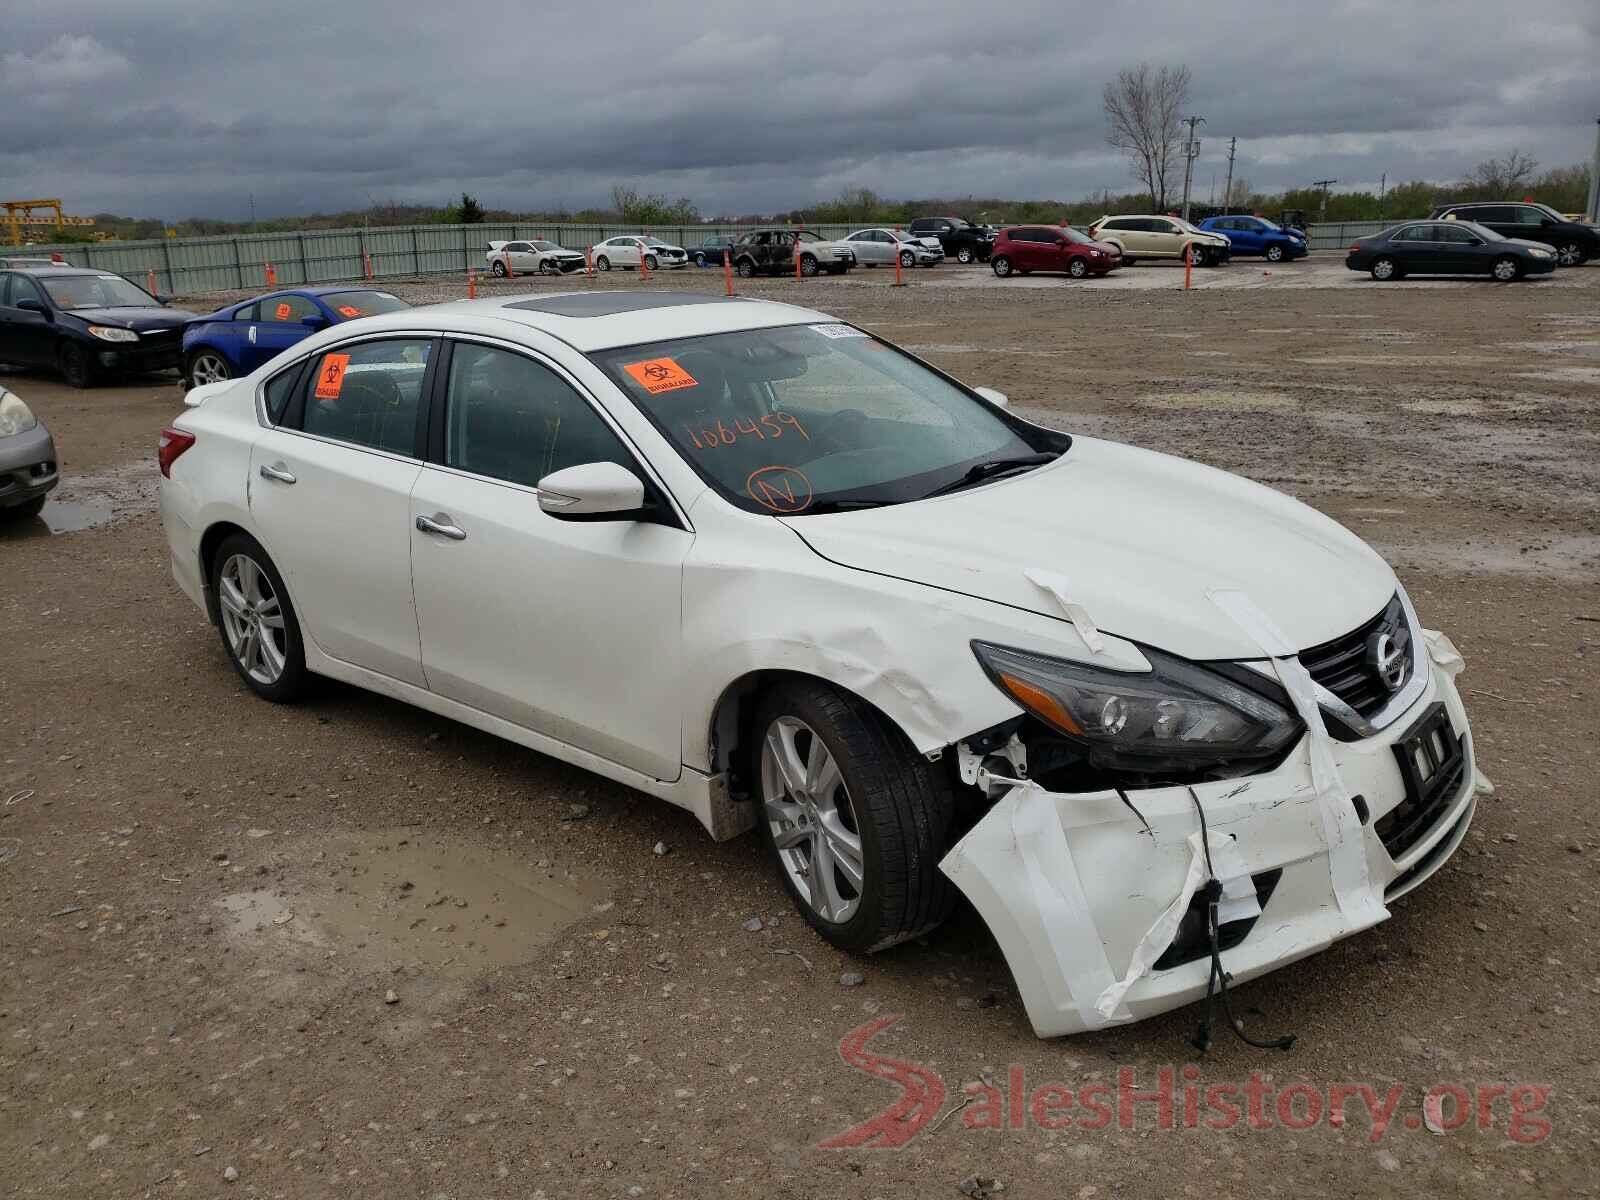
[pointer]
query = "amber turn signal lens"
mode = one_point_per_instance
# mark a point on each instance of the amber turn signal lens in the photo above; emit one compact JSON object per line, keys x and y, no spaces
{"x":1041,"y":703}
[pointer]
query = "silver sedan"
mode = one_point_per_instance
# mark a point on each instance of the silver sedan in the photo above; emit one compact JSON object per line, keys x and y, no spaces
{"x":880,"y":246}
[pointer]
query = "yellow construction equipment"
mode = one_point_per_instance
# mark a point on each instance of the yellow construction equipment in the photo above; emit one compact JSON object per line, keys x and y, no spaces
{"x":20,"y":213}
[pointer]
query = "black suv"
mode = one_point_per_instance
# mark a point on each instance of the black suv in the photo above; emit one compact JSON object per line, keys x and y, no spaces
{"x":1574,"y":243}
{"x":961,"y":239}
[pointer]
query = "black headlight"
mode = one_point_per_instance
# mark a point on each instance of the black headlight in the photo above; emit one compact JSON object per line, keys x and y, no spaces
{"x":1176,"y":715}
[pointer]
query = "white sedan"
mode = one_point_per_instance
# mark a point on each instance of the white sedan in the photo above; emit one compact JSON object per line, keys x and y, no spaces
{"x":876,"y":246}
{"x":629,"y":250}
{"x":535,"y":257}
{"x":1149,"y":717}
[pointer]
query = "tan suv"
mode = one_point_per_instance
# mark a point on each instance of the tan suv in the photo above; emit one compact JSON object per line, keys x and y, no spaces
{"x":1160,"y":237}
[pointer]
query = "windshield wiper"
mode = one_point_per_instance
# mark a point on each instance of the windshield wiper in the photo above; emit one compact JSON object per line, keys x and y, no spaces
{"x":830,"y":506}
{"x":989,"y":468}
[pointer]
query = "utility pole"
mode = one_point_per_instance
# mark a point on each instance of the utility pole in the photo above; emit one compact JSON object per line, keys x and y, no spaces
{"x":1383,"y":187}
{"x":252,"y":212}
{"x":1593,"y":207}
{"x":1227,"y":192}
{"x":1191,"y":151}
{"x":1324,"y":184}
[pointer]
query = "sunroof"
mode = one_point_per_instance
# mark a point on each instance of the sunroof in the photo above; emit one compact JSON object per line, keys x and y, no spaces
{"x":605,"y":304}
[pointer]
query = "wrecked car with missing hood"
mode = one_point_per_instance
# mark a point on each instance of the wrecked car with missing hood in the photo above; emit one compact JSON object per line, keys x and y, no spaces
{"x":1155,"y":721}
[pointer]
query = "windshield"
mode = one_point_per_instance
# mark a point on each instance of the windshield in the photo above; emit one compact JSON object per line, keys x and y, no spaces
{"x":1483,"y":231}
{"x":95,"y":291}
{"x":1182,"y":224}
{"x":805,"y":235}
{"x":541,"y":244}
{"x":1266,"y":224}
{"x":363,"y":303}
{"x":808,"y":418}
{"x":654,"y":241}
{"x":1550,"y":212}
{"x":1072,"y":235}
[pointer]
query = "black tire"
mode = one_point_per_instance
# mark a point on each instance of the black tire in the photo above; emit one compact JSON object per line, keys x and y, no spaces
{"x":603,"y":263}
{"x":23,"y":511}
{"x":809,"y":265}
{"x":294,"y":680}
{"x":902,"y":809}
{"x":1505,"y":269}
{"x":965,"y":255}
{"x":651,"y":263}
{"x":746,"y":267}
{"x":1570,"y":254}
{"x":1127,"y":259}
{"x":1199,"y":255}
{"x":76,"y":366}
{"x":1077,"y":268}
{"x":699,"y":259}
{"x":907,"y":259}
{"x":220,"y":366}
{"x":1274,"y":254}
{"x":1385,"y":269}
{"x":498,"y":268}
{"x":1000,"y":264}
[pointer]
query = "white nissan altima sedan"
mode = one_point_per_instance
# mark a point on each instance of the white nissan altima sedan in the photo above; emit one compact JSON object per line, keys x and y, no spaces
{"x":1154,"y":720}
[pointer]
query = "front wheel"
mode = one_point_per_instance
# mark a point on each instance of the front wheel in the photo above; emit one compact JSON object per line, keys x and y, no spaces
{"x":1000,"y":264}
{"x":855,"y":817}
{"x":907,"y":259}
{"x":1197,"y":255}
{"x":1385,"y":269}
{"x":499,"y":269}
{"x":207,"y":366}
{"x":75,"y":365}
{"x":699,"y":259}
{"x":650,"y":262}
{"x":1570,"y":255}
{"x":1274,"y":254}
{"x":808,"y":264}
{"x":259,"y":629}
{"x":746,"y":268}
{"x":1077,"y":268}
{"x":603,"y":263}
{"x":965,"y":255}
{"x":1505,"y":269}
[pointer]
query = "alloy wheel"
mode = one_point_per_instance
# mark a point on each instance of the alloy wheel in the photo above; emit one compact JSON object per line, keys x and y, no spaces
{"x":812,"y":820}
{"x":208,"y":368}
{"x":1569,"y":255}
{"x":964,"y":255}
{"x":1383,"y":269}
{"x":1078,"y":269}
{"x":252,"y":619}
{"x":1505,"y":269}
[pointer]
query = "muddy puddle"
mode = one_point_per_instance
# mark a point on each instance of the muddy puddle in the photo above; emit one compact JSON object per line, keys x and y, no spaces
{"x":1566,"y":556}
{"x":403,"y":900}
{"x":89,"y":501}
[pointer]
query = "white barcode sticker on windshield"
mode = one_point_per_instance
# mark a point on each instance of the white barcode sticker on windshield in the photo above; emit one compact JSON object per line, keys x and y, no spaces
{"x":838,"y":331}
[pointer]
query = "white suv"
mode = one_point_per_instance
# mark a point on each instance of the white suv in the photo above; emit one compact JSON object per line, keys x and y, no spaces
{"x":1161,"y":237}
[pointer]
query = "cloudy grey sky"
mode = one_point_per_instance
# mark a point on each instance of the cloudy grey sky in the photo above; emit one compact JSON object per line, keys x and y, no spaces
{"x":173,"y":108}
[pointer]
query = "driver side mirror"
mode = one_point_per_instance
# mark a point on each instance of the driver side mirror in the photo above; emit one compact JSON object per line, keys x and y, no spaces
{"x":998,"y":399}
{"x":315,"y":321}
{"x":600,"y":490}
{"x":29,"y":304}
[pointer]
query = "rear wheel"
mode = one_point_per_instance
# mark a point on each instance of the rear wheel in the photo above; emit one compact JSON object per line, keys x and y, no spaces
{"x":75,"y":365}
{"x":1570,"y":255}
{"x":1505,"y":268}
{"x":206,"y":366}
{"x":856,"y":819}
{"x":965,"y":255}
{"x":259,"y":629}
{"x":1274,"y":254}
{"x":1385,"y":269}
{"x":1077,"y":268}
{"x":1000,"y":264}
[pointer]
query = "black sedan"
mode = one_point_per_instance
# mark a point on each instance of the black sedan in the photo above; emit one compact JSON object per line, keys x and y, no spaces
{"x":1448,"y":248}
{"x":87,"y":324}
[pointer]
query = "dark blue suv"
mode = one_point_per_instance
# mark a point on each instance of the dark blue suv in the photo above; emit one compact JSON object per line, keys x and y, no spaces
{"x":1257,"y":235}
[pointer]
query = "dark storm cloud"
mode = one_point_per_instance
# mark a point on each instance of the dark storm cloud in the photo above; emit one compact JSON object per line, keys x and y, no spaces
{"x":171,"y":109}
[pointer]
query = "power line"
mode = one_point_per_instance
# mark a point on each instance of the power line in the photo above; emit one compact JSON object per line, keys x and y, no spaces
{"x":1324,"y":184}
{"x":1191,"y":151}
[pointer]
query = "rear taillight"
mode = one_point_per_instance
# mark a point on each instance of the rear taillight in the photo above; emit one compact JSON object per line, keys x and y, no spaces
{"x":1355,"y":245}
{"x":173,"y":443}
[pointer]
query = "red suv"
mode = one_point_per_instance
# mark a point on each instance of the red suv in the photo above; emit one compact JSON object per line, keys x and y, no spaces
{"x":1024,"y":248}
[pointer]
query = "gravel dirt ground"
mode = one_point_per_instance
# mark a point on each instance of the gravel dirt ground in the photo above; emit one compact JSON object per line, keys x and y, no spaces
{"x":348,"y":949}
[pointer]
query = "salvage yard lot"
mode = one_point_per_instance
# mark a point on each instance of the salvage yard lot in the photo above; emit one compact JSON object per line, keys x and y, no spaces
{"x":348,"y":949}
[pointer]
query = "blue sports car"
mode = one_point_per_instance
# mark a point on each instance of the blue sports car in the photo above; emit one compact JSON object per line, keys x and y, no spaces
{"x":237,"y":339}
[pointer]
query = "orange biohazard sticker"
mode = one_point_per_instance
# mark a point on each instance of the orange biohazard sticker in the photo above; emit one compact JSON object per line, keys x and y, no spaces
{"x":349,"y":310}
{"x":330,"y":376}
{"x":660,"y":375}
{"x":281,"y":313}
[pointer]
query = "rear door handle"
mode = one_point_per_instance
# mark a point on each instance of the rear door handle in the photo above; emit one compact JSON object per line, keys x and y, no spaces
{"x":441,"y":524}
{"x":277,"y":471}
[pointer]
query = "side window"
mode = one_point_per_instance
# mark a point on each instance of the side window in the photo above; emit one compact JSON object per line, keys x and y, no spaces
{"x":1114,"y":223}
{"x":278,"y":391}
{"x":509,"y":417}
{"x":285,"y":310}
{"x":1497,"y":214}
{"x":368,"y":394}
{"x":23,"y":288}
{"x":1527,"y":215}
{"x":247,"y":313}
{"x":1415,"y":233}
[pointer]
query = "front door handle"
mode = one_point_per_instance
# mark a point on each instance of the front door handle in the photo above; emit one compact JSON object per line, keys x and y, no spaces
{"x":277,"y":471}
{"x":441,"y":524}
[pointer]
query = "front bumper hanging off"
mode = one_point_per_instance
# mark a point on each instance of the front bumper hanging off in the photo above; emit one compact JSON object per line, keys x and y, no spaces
{"x":1092,"y":902}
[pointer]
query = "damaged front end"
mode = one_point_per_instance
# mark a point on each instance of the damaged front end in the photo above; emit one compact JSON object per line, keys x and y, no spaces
{"x":1096,"y":866}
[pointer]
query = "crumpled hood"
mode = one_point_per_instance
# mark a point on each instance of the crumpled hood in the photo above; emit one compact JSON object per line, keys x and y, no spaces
{"x":142,"y":319}
{"x":1140,"y":538}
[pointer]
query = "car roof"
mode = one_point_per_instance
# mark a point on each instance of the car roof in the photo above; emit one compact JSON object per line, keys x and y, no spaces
{"x":59,"y":269}
{"x":590,"y":321}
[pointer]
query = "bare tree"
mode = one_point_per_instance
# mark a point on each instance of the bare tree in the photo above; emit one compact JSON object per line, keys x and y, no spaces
{"x":1144,"y":107}
{"x":1239,"y":195}
{"x":1503,"y":178}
